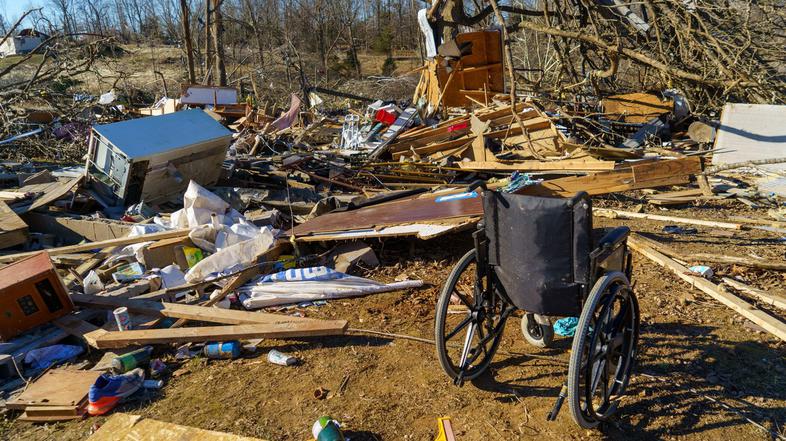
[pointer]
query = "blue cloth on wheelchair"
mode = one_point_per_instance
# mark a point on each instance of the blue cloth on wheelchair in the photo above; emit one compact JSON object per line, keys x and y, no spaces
{"x":566,"y":327}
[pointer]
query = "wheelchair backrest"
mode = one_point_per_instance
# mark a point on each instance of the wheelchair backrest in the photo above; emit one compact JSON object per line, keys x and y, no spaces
{"x":540,"y":245}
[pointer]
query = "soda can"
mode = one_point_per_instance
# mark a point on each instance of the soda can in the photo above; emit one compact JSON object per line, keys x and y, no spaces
{"x":122,"y":318}
{"x":281,"y":358}
{"x":222,"y":350}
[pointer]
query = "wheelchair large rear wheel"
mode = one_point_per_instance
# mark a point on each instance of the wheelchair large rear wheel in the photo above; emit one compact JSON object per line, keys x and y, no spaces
{"x":469,"y":323}
{"x":604,"y":350}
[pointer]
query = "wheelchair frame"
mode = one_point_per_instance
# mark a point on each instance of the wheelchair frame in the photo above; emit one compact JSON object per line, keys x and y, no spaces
{"x":606,"y":338}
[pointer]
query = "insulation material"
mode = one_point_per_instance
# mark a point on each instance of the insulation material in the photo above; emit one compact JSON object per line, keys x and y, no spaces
{"x":750,"y":132}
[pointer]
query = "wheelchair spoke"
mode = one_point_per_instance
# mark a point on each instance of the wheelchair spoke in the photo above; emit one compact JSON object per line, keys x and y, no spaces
{"x":458,"y":328}
{"x":463,"y":298}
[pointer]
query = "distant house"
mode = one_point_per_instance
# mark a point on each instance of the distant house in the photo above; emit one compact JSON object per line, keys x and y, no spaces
{"x":26,"y":41}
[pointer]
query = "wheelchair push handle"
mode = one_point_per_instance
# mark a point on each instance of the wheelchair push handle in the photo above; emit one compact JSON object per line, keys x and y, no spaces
{"x":477,"y":183}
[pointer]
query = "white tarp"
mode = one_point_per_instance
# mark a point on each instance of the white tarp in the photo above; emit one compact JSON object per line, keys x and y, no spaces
{"x":309,"y":284}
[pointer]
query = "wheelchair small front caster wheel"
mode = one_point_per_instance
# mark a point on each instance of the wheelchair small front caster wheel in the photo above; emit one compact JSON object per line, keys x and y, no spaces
{"x":536,"y":334}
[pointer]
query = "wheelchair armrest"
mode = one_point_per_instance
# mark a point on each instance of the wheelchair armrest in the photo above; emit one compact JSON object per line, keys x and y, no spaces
{"x":611,"y":241}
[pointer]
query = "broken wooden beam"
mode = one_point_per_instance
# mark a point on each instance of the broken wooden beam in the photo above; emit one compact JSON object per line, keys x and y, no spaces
{"x":284,"y":330}
{"x":620,"y":214}
{"x":747,"y":310}
{"x":763,"y":296}
{"x":436,"y":207}
{"x":749,"y":262}
{"x":190,"y":312}
{"x":102,"y":244}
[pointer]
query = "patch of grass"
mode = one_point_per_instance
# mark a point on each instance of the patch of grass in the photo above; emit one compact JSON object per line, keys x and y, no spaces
{"x":33,"y":61}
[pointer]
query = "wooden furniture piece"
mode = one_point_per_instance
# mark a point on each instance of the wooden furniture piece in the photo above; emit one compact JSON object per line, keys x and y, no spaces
{"x":31,"y":293}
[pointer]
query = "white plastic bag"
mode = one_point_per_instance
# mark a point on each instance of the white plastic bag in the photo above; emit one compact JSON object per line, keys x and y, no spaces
{"x":232,"y":257}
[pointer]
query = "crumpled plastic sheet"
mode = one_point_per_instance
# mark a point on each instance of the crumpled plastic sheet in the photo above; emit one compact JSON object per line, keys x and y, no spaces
{"x":309,"y":284}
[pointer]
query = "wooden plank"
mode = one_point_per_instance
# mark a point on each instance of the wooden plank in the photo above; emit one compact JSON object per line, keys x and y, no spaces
{"x":73,"y":230}
{"x":190,"y":312}
{"x":13,"y":230}
{"x":222,"y":333}
{"x":747,"y":310}
{"x":765,"y":297}
{"x":123,"y":426}
{"x":620,"y":214}
{"x":52,"y":413}
{"x":102,"y":244}
{"x":80,"y":328}
{"x":704,"y":258}
{"x":571,"y":165}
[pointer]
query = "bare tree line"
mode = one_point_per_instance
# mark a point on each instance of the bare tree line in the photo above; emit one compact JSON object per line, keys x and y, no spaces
{"x":334,"y":30}
{"x":713,"y":51}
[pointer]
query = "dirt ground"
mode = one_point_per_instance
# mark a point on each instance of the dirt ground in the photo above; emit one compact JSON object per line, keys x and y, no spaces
{"x":698,"y":360}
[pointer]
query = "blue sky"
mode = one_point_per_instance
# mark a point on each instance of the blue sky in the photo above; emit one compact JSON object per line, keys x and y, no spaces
{"x":12,"y":9}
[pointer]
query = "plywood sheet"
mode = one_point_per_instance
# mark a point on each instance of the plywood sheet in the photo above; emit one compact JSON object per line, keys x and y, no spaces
{"x":636,"y":108}
{"x":59,"y":387}
{"x":123,"y":426}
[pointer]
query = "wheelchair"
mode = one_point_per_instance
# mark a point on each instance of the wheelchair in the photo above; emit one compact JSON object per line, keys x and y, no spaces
{"x":536,"y":254}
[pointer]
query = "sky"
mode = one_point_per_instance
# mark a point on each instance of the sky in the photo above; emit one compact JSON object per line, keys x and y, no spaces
{"x":11,"y":10}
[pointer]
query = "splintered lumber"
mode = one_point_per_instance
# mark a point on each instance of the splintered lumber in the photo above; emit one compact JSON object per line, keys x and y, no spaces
{"x":123,"y":241}
{"x":124,"y":426}
{"x":55,"y":191}
{"x":765,"y":297}
{"x":436,"y":207}
{"x":284,"y":330}
{"x":619,"y":214}
{"x":570,"y":165}
{"x":80,"y":328}
{"x":190,"y":312}
{"x":750,"y":262}
{"x":747,"y":310}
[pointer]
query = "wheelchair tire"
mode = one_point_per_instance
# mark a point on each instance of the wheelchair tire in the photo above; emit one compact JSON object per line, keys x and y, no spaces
{"x":448,"y":352}
{"x":603,"y":351}
{"x":536,"y":334}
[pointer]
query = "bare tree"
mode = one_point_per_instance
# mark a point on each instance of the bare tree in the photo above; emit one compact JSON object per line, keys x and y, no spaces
{"x":218,"y":41}
{"x":186,"y":23}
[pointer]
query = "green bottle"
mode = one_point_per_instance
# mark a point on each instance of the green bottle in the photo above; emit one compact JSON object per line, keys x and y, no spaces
{"x":133,"y":359}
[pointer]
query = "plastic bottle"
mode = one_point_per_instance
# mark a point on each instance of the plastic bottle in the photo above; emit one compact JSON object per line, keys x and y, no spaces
{"x":129,"y":361}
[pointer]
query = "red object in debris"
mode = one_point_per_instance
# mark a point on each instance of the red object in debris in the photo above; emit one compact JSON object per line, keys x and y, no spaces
{"x":384,"y":117}
{"x":459,"y":126}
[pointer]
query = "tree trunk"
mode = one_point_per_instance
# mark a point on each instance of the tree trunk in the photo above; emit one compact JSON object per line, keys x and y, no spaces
{"x":184,"y":11}
{"x":208,"y":43}
{"x":218,"y":31}
{"x":252,"y":15}
{"x":354,"y":52}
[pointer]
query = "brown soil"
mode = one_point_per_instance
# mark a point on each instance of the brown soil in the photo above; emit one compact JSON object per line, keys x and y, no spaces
{"x":693,"y":350}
